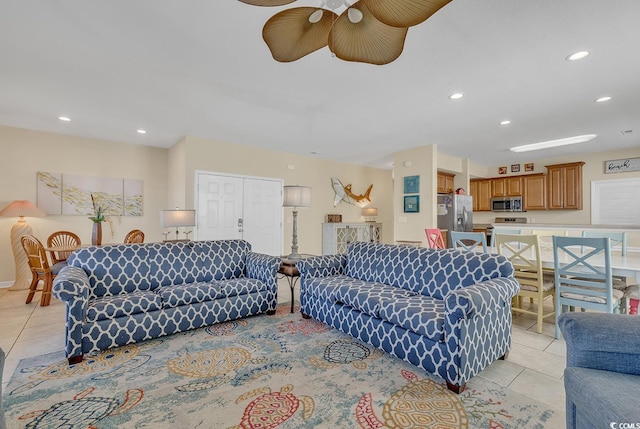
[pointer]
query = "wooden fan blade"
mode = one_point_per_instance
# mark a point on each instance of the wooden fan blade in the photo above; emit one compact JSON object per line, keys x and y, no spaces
{"x":267,"y":2}
{"x":290,"y":35}
{"x":404,"y":13}
{"x":368,"y":41}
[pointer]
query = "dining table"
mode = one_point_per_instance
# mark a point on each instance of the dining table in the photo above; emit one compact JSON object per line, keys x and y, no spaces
{"x":622,"y":266}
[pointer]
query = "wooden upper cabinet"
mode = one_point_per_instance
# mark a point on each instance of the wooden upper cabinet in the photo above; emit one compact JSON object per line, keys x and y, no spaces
{"x":481,"y":192}
{"x":564,"y":186}
{"x":498,"y":187}
{"x":445,"y":183}
{"x":534,"y":192}
{"x":506,"y":187}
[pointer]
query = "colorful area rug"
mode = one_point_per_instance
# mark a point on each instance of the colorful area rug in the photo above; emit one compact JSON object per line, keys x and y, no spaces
{"x":261,"y":372}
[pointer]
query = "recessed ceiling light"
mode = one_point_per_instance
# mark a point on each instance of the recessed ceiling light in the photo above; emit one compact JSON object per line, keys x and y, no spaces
{"x":577,"y":56}
{"x":554,"y":143}
{"x":603,"y":99}
{"x":505,"y":122}
{"x":64,"y":119}
{"x":456,"y":96}
{"x":142,"y":132}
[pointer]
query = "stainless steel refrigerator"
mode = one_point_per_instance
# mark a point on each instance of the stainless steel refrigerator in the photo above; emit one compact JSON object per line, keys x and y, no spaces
{"x":455,"y":213}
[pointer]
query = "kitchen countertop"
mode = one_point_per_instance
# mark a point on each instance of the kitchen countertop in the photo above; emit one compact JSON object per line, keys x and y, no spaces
{"x":566,"y":227}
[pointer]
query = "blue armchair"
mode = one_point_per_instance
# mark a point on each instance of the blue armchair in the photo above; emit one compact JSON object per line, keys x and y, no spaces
{"x":602,"y":378}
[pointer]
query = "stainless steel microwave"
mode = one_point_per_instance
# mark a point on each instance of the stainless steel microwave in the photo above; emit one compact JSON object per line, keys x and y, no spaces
{"x":506,"y":204}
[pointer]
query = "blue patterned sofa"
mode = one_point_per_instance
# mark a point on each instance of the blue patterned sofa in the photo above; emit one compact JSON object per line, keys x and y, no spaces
{"x":445,"y":311}
{"x":122,"y":294}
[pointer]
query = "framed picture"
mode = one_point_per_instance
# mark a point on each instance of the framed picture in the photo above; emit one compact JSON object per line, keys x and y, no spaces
{"x":412,"y":203}
{"x":502,"y":170}
{"x":528,"y":166}
{"x":515,"y":168}
{"x":411,"y":184}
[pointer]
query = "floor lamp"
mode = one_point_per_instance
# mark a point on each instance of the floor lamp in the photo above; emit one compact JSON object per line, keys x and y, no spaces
{"x":20,"y":209}
{"x":296,"y":197}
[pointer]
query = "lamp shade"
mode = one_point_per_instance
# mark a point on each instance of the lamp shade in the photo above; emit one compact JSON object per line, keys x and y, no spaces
{"x":21,"y":208}
{"x":177,"y":218}
{"x":369,"y":211}
{"x":297,"y":196}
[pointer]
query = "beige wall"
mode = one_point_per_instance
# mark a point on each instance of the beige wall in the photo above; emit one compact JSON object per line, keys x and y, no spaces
{"x":25,"y":152}
{"x":226,"y":158}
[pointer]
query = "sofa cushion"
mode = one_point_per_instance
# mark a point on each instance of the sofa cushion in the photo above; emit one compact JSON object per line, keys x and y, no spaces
{"x":324,"y":287}
{"x":191,"y":293}
{"x":602,"y":397}
{"x":222,"y":259}
{"x":112,"y":306}
{"x":173,"y":263}
{"x":447,"y":269}
{"x":401,"y":266}
{"x":420,"y":314}
{"x":362,"y":260}
{"x":114,"y":270}
{"x":366,"y":296}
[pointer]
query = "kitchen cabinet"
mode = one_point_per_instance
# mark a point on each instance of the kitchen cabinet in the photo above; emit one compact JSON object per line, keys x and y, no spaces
{"x":336,"y":236}
{"x":445,"y":183}
{"x":564,"y":186}
{"x":481,"y":192}
{"x":506,"y":187}
{"x":534,"y":192}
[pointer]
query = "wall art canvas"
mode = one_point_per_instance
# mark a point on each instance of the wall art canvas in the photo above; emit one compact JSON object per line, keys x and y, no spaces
{"x":528,"y":166}
{"x":412,"y":204}
{"x":502,"y":170}
{"x":411,"y":184}
{"x":70,"y":194}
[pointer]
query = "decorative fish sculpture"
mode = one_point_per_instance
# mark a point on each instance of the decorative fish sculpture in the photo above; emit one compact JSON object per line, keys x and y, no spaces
{"x":344,"y":193}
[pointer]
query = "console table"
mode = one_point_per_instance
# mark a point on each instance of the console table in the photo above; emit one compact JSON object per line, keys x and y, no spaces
{"x":336,"y":236}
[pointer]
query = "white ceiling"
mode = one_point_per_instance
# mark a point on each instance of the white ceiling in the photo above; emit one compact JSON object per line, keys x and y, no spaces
{"x":201,"y":68}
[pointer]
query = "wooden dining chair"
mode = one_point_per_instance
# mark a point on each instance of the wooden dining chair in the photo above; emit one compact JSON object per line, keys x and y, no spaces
{"x":62,"y":239}
{"x":434,"y":238}
{"x":134,"y":236}
{"x":616,"y":239}
{"x":40,"y":269}
{"x":496,"y":231}
{"x":468,"y":241}
{"x":583,"y":276}
{"x":523,"y":251}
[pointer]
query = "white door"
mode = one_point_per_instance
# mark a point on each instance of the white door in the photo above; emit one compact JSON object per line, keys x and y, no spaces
{"x":262,"y":214}
{"x":234,"y":207}
{"x":219,"y":207}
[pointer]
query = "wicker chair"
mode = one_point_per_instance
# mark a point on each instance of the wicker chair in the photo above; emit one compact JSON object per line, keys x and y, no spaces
{"x":39,"y":265}
{"x":64,"y":239}
{"x":134,"y":236}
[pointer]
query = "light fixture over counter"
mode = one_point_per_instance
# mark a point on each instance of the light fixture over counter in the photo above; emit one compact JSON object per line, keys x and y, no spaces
{"x":554,"y":143}
{"x":368,"y":31}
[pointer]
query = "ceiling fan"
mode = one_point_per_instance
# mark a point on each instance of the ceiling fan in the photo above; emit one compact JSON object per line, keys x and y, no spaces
{"x":368,"y":31}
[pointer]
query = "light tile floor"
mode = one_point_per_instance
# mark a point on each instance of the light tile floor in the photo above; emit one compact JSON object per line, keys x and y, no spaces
{"x":534,"y":367}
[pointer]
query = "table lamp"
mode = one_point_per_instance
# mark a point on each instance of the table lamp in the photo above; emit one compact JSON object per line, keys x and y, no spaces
{"x":296,"y":197}
{"x":21,"y":209}
{"x":370,"y":214}
{"x":178,"y":218}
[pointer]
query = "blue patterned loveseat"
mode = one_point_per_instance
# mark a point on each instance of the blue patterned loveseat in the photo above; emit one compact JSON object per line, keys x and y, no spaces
{"x":122,"y":294}
{"x":446,"y":311}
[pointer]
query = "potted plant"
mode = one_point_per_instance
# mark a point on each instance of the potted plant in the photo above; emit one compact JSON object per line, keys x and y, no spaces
{"x":97,"y":219}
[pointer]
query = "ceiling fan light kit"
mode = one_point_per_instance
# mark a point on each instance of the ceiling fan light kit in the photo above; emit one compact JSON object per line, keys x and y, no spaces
{"x":368,"y":31}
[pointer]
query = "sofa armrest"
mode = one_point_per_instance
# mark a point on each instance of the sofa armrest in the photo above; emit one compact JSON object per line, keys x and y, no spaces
{"x":70,"y":284}
{"x":609,"y":342}
{"x":482,"y":297}
{"x":322,"y":266}
{"x":263,"y":267}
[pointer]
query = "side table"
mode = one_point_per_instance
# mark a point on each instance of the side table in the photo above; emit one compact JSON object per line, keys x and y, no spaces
{"x":289,"y":271}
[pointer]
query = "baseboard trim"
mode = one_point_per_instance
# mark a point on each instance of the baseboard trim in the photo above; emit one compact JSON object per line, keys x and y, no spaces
{"x":6,"y":284}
